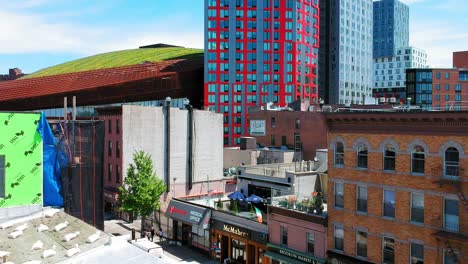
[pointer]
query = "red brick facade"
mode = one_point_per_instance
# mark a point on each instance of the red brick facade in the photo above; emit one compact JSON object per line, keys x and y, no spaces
{"x":447,"y":89}
{"x":435,"y":133}
{"x":282,"y":126}
{"x":460,"y":59}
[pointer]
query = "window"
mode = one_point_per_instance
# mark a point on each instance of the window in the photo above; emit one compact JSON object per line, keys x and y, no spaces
{"x":447,"y":75}
{"x":389,"y":204}
{"x":117,"y":174}
{"x":339,"y":154}
{"x":283,"y":141}
{"x":361,"y":203}
{"x":389,"y":158}
{"x":2,"y":176}
{"x":109,"y":126}
{"x":310,"y":243}
{"x":273,"y":140}
{"x":451,"y":215}
{"x":438,"y":75}
{"x":273,"y":122}
{"x":117,"y":149}
{"x":339,"y":195}
{"x":109,"y":149}
{"x":117,"y":126}
{"x":451,"y":163}
{"x":339,"y":237}
{"x":284,"y":235}
{"x":388,"y":250}
{"x":298,"y":123}
{"x":109,"y":172}
{"x":417,"y":253}
{"x":417,"y":207}
{"x":417,"y":160}
{"x":362,"y":156}
{"x":450,"y":257}
{"x":361,"y":244}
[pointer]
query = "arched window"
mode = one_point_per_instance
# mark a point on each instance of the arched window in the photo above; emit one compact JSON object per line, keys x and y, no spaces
{"x":452,"y":162}
{"x":339,"y":154}
{"x":389,"y":158}
{"x":362,"y":156}
{"x":417,"y":160}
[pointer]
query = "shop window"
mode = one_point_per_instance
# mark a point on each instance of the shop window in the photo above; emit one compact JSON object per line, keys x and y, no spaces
{"x":284,"y":235}
{"x":238,"y":251}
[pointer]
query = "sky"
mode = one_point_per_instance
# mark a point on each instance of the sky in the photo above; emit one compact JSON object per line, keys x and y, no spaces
{"x":35,"y":34}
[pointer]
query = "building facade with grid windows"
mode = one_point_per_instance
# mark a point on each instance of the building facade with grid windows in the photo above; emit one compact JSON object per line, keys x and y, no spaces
{"x":258,"y":52}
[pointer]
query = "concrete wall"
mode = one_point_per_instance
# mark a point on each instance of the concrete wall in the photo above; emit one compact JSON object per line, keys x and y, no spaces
{"x":234,"y":157}
{"x":143,"y":128}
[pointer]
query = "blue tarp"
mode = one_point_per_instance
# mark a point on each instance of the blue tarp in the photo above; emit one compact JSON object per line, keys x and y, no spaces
{"x":51,"y":165}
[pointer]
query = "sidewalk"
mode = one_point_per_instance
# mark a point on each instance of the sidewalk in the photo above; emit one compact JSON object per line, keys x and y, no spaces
{"x":177,"y":254}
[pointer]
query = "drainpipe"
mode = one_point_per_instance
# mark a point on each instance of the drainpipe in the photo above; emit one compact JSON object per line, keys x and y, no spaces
{"x":167,"y":141}
{"x":190,"y":145}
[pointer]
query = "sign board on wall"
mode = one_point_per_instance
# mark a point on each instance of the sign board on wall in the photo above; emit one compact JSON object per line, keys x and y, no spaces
{"x":257,"y":127}
{"x":21,"y":159}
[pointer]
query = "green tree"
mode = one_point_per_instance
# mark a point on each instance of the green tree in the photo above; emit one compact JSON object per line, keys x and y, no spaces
{"x":142,"y":189}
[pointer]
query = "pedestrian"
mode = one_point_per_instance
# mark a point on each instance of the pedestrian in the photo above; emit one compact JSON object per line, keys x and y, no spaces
{"x":161,"y":234}
{"x":152,"y":234}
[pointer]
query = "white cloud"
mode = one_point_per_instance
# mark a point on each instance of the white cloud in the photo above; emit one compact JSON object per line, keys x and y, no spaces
{"x":22,"y":33}
{"x":410,"y":1}
{"x":439,"y":40}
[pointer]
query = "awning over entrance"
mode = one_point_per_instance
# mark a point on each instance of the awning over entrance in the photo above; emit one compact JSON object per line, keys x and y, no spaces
{"x":282,"y":258}
{"x":189,"y":213}
{"x":291,"y":256}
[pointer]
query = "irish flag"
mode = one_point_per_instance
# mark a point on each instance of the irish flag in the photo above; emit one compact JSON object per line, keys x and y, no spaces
{"x":259,"y":214}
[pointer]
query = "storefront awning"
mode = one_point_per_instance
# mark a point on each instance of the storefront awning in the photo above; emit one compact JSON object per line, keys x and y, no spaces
{"x":189,"y":213}
{"x":283,"y":258}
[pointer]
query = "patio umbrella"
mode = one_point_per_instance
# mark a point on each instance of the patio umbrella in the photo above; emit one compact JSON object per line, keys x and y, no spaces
{"x":236,"y":196}
{"x":254,"y":199}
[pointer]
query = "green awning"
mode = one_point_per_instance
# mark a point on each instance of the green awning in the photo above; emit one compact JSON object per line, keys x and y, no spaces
{"x":283,"y":258}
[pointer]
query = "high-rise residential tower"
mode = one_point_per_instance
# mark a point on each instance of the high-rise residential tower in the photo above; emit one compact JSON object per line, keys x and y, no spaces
{"x":391,"y":27}
{"x":346,"y":63}
{"x":258,"y":51}
{"x":392,"y":53}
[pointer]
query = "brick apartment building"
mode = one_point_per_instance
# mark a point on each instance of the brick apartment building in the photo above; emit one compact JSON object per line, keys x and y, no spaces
{"x":460,"y":59}
{"x":397,"y":189}
{"x":438,"y":89}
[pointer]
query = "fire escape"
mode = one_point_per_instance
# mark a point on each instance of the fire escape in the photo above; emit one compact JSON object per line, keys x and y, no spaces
{"x":452,"y":238}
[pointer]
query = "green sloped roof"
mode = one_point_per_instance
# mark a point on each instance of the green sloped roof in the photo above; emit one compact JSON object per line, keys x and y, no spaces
{"x":117,"y":59}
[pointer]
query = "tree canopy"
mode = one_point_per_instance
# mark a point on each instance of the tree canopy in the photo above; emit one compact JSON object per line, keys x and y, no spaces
{"x":142,"y":189}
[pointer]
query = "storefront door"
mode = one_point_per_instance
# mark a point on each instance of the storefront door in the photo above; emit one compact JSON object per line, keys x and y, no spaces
{"x":224,"y":248}
{"x":251,"y":255}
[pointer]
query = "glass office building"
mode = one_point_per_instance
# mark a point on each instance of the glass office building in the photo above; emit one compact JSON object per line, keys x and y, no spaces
{"x":346,"y":63}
